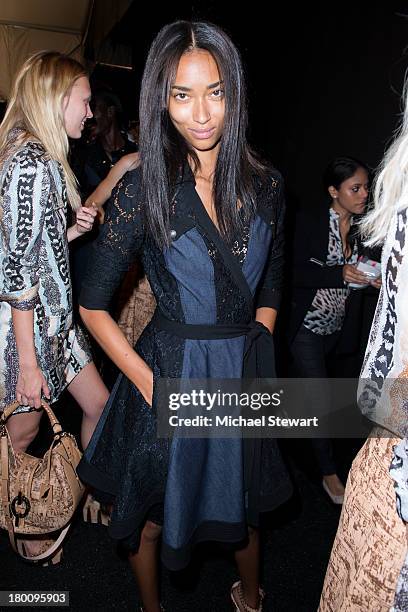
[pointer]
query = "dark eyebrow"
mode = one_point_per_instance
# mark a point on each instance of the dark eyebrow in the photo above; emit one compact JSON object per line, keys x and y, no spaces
{"x":182,"y":88}
{"x":215,"y":84}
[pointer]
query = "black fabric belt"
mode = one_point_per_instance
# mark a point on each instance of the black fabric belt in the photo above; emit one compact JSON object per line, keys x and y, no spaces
{"x":259,"y":354}
{"x":258,"y":362}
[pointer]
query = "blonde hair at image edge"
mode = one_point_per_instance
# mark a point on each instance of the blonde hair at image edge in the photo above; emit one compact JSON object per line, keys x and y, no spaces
{"x":36,"y":105}
{"x":391,"y":184}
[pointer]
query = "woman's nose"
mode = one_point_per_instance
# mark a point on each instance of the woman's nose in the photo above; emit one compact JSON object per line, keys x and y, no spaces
{"x":201,"y":112}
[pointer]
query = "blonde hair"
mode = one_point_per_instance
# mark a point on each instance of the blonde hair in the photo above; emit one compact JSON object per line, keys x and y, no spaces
{"x":391,"y":184}
{"x":36,"y":107}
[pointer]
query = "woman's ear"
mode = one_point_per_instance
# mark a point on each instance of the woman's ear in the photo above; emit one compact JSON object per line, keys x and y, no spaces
{"x":333,"y":192}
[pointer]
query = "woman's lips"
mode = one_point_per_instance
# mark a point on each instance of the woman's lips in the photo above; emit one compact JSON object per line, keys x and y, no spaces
{"x":202,"y":134}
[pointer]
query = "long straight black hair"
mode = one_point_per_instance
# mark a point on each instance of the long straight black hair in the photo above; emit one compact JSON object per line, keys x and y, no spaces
{"x":163,"y":151}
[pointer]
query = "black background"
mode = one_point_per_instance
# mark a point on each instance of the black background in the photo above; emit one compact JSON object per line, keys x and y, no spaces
{"x":324,"y":78}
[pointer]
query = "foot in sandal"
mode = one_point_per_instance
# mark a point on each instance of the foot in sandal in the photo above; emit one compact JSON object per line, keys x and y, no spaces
{"x":94,"y":512}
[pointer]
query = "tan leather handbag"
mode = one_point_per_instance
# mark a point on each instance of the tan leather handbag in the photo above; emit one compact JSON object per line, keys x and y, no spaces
{"x":39,"y":495}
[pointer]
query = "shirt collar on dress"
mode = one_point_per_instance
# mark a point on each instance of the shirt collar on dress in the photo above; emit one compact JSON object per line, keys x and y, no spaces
{"x":185,"y":174}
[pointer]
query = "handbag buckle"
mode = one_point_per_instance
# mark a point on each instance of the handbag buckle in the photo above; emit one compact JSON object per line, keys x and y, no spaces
{"x":20,"y":506}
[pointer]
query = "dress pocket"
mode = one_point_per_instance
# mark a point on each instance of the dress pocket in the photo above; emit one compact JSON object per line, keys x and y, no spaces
{"x":141,"y":397}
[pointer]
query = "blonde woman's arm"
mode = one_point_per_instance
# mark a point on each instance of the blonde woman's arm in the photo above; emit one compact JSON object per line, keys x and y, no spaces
{"x":23,"y":228}
{"x":31,"y":382}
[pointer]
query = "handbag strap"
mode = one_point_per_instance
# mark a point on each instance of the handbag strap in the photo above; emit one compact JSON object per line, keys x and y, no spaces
{"x":5,"y":498}
{"x":55,"y":424}
{"x":44,"y":555}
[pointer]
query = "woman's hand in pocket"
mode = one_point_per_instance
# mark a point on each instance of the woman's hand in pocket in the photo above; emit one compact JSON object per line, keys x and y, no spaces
{"x":144,"y":382}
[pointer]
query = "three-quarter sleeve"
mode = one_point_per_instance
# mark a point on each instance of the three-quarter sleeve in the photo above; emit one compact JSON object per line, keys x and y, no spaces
{"x":309,"y":269}
{"x":119,"y":242}
{"x":23,"y":210}
{"x":270,"y":292}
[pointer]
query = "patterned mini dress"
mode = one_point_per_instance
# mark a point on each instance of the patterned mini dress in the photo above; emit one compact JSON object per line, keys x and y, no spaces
{"x":34,"y":271}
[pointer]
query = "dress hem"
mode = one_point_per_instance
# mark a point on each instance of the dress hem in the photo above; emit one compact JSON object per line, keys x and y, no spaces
{"x":91,"y":475}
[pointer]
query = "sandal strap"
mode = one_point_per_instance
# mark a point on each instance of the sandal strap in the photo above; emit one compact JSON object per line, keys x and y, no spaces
{"x":247,"y":608}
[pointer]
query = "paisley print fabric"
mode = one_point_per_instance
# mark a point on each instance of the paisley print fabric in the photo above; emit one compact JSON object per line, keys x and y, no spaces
{"x":34,"y":270}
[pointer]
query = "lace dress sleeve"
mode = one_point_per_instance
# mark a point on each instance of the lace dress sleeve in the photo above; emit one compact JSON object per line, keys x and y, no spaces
{"x":272,"y":281}
{"x":120,"y":241}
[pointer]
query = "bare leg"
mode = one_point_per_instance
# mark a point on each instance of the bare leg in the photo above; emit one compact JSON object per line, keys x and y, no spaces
{"x":334,"y":483}
{"x":23,"y":428}
{"x":247,"y":560}
{"x":89,"y":391}
{"x":145,"y":567}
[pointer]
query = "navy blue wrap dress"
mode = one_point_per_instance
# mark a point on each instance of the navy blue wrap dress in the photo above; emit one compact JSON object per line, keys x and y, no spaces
{"x":198,"y":489}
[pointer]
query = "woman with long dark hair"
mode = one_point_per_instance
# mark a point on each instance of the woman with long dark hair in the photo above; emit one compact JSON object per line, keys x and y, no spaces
{"x":206,"y":217}
{"x":326,"y":251}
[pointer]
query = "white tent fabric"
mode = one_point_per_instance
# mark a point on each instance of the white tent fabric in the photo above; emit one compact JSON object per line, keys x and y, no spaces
{"x":27,"y":26}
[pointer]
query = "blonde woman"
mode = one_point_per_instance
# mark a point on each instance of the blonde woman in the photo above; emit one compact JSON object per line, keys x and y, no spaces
{"x":41,"y":350}
{"x":368,"y":568}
